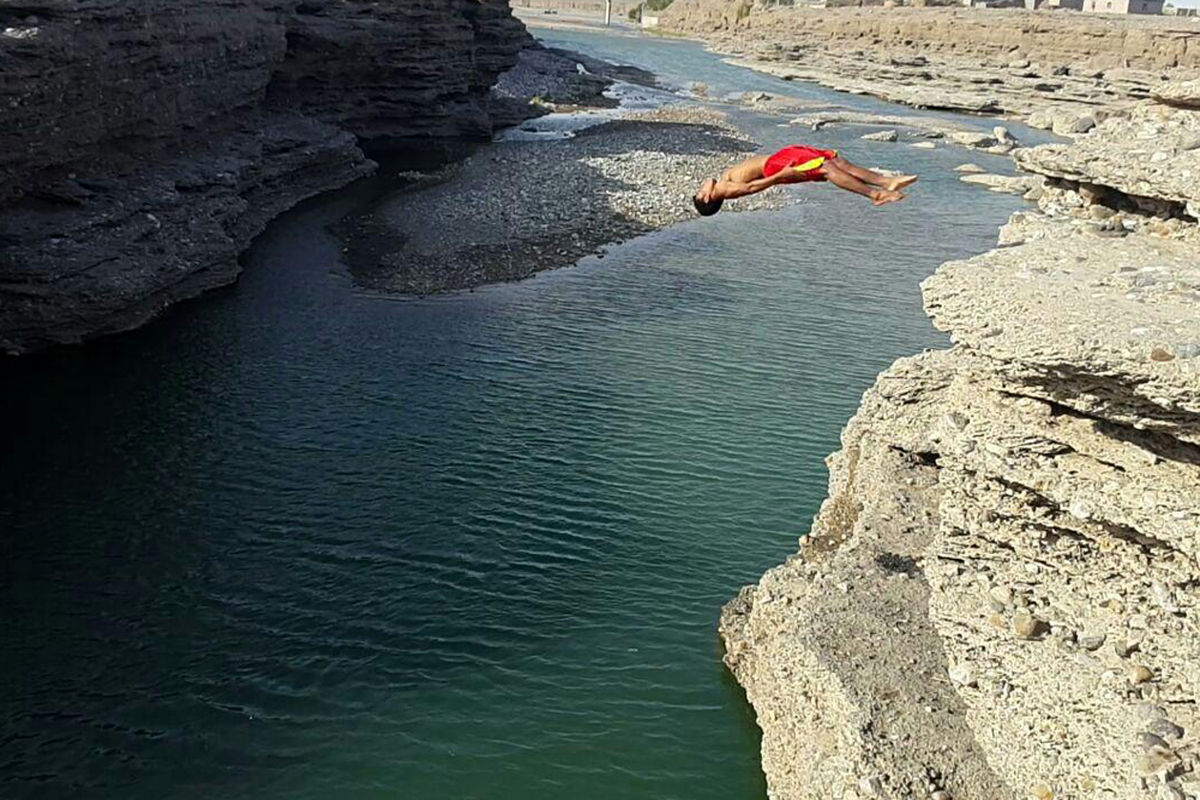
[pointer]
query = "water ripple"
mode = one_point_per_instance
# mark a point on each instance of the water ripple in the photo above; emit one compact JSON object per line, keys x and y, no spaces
{"x":301,"y":542}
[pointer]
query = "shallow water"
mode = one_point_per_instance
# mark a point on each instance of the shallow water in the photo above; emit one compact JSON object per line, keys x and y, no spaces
{"x":298,"y":541}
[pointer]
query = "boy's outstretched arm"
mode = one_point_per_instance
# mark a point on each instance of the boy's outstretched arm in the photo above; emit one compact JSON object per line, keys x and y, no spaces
{"x":732,"y":189}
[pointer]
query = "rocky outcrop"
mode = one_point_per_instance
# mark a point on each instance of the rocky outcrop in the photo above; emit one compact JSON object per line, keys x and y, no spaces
{"x":1001,"y":596}
{"x":397,"y":69}
{"x":1157,"y":161}
{"x":993,"y":60}
{"x":143,"y":144}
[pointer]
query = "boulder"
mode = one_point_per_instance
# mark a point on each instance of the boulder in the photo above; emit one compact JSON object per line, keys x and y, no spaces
{"x":1072,"y":124}
{"x":971,"y":139}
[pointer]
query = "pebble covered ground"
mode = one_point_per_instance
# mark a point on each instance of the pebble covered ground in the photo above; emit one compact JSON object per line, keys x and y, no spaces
{"x":515,"y":208}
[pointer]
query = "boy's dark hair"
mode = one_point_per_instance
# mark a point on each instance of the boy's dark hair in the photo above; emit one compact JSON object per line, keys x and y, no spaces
{"x":708,"y":208}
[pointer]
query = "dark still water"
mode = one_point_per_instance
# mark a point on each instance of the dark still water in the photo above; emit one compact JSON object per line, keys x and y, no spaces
{"x":295,"y":541}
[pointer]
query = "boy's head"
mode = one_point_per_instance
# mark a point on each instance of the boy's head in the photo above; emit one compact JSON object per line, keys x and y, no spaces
{"x":706,"y":199}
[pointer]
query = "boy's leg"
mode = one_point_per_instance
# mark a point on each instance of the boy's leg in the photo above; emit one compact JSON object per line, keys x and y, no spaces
{"x":874,"y":178}
{"x":844,"y":180}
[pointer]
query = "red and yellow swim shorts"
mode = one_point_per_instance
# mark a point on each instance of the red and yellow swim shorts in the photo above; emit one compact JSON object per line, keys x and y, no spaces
{"x":806,"y":161}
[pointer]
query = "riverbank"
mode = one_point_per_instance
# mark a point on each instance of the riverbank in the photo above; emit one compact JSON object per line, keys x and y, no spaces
{"x":1059,"y":70}
{"x":1000,"y":597}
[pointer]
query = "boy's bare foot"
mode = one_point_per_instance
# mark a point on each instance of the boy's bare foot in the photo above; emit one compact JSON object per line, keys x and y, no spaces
{"x":881,"y":197}
{"x":900,"y":182}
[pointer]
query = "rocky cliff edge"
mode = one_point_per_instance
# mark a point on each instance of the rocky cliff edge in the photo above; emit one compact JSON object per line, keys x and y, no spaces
{"x":1001,"y":596}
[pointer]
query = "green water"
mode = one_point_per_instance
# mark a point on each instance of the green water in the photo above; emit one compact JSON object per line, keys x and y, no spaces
{"x":298,"y":541}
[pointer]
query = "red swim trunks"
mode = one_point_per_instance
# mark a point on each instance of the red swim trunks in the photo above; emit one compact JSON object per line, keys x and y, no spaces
{"x":809,"y":159}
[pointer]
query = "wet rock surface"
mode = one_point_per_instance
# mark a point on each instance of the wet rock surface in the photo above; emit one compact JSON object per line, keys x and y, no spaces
{"x":1041,"y":481}
{"x":547,"y":79}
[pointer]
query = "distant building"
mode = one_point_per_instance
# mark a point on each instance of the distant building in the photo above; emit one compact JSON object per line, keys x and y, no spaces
{"x":1123,"y":6}
{"x":1053,"y":5}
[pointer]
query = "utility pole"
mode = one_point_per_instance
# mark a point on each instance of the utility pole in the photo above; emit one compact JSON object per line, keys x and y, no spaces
{"x":608,"y":12}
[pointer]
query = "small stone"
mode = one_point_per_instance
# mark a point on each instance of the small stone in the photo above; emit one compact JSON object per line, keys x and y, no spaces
{"x":1092,"y":643}
{"x":924,"y":145}
{"x":1084,"y":660}
{"x":1139,"y":674}
{"x":973,"y":169}
{"x":1170,"y":791}
{"x":971,"y":138}
{"x":882,"y":136}
{"x":1041,"y":119}
{"x":1080,"y":509}
{"x":871,"y":786}
{"x":1124,"y":647}
{"x":1067,"y":124}
{"x":1165,"y":728}
{"x":1150,"y":711}
{"x":1001,"y":594}
{"x":1149,"y":741}
{"x":962,"y":675}
{"x":1041,"y":792}
{"x":1155,"y":761}
{"x":1161,"y":354}
{"x":1027,"y":626}
{"x":940,"y":795}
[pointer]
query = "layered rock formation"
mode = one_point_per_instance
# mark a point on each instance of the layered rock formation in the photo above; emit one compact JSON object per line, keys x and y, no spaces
{"x":993,"y":60}
{"x":143,"y":144}
{"x":1001,"y":596}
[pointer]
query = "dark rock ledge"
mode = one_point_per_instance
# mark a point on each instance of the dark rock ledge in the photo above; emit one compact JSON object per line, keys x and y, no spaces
{"x":144,"y":143}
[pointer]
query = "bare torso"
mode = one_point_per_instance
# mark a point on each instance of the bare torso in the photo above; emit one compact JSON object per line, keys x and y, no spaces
{"x":749,"y":170}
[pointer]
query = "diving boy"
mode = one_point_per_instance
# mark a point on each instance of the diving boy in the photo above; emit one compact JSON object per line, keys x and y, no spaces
{"x":798,"y":164}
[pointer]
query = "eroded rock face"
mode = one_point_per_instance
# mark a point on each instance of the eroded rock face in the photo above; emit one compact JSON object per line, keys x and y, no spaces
{"x":1152,"y":152}
{"x":142,"y":144}
{"x":397,"y":69}
{"x":1001,"y":596}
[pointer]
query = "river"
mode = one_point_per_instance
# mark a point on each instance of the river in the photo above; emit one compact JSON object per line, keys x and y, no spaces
{"x":297,"y":541}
